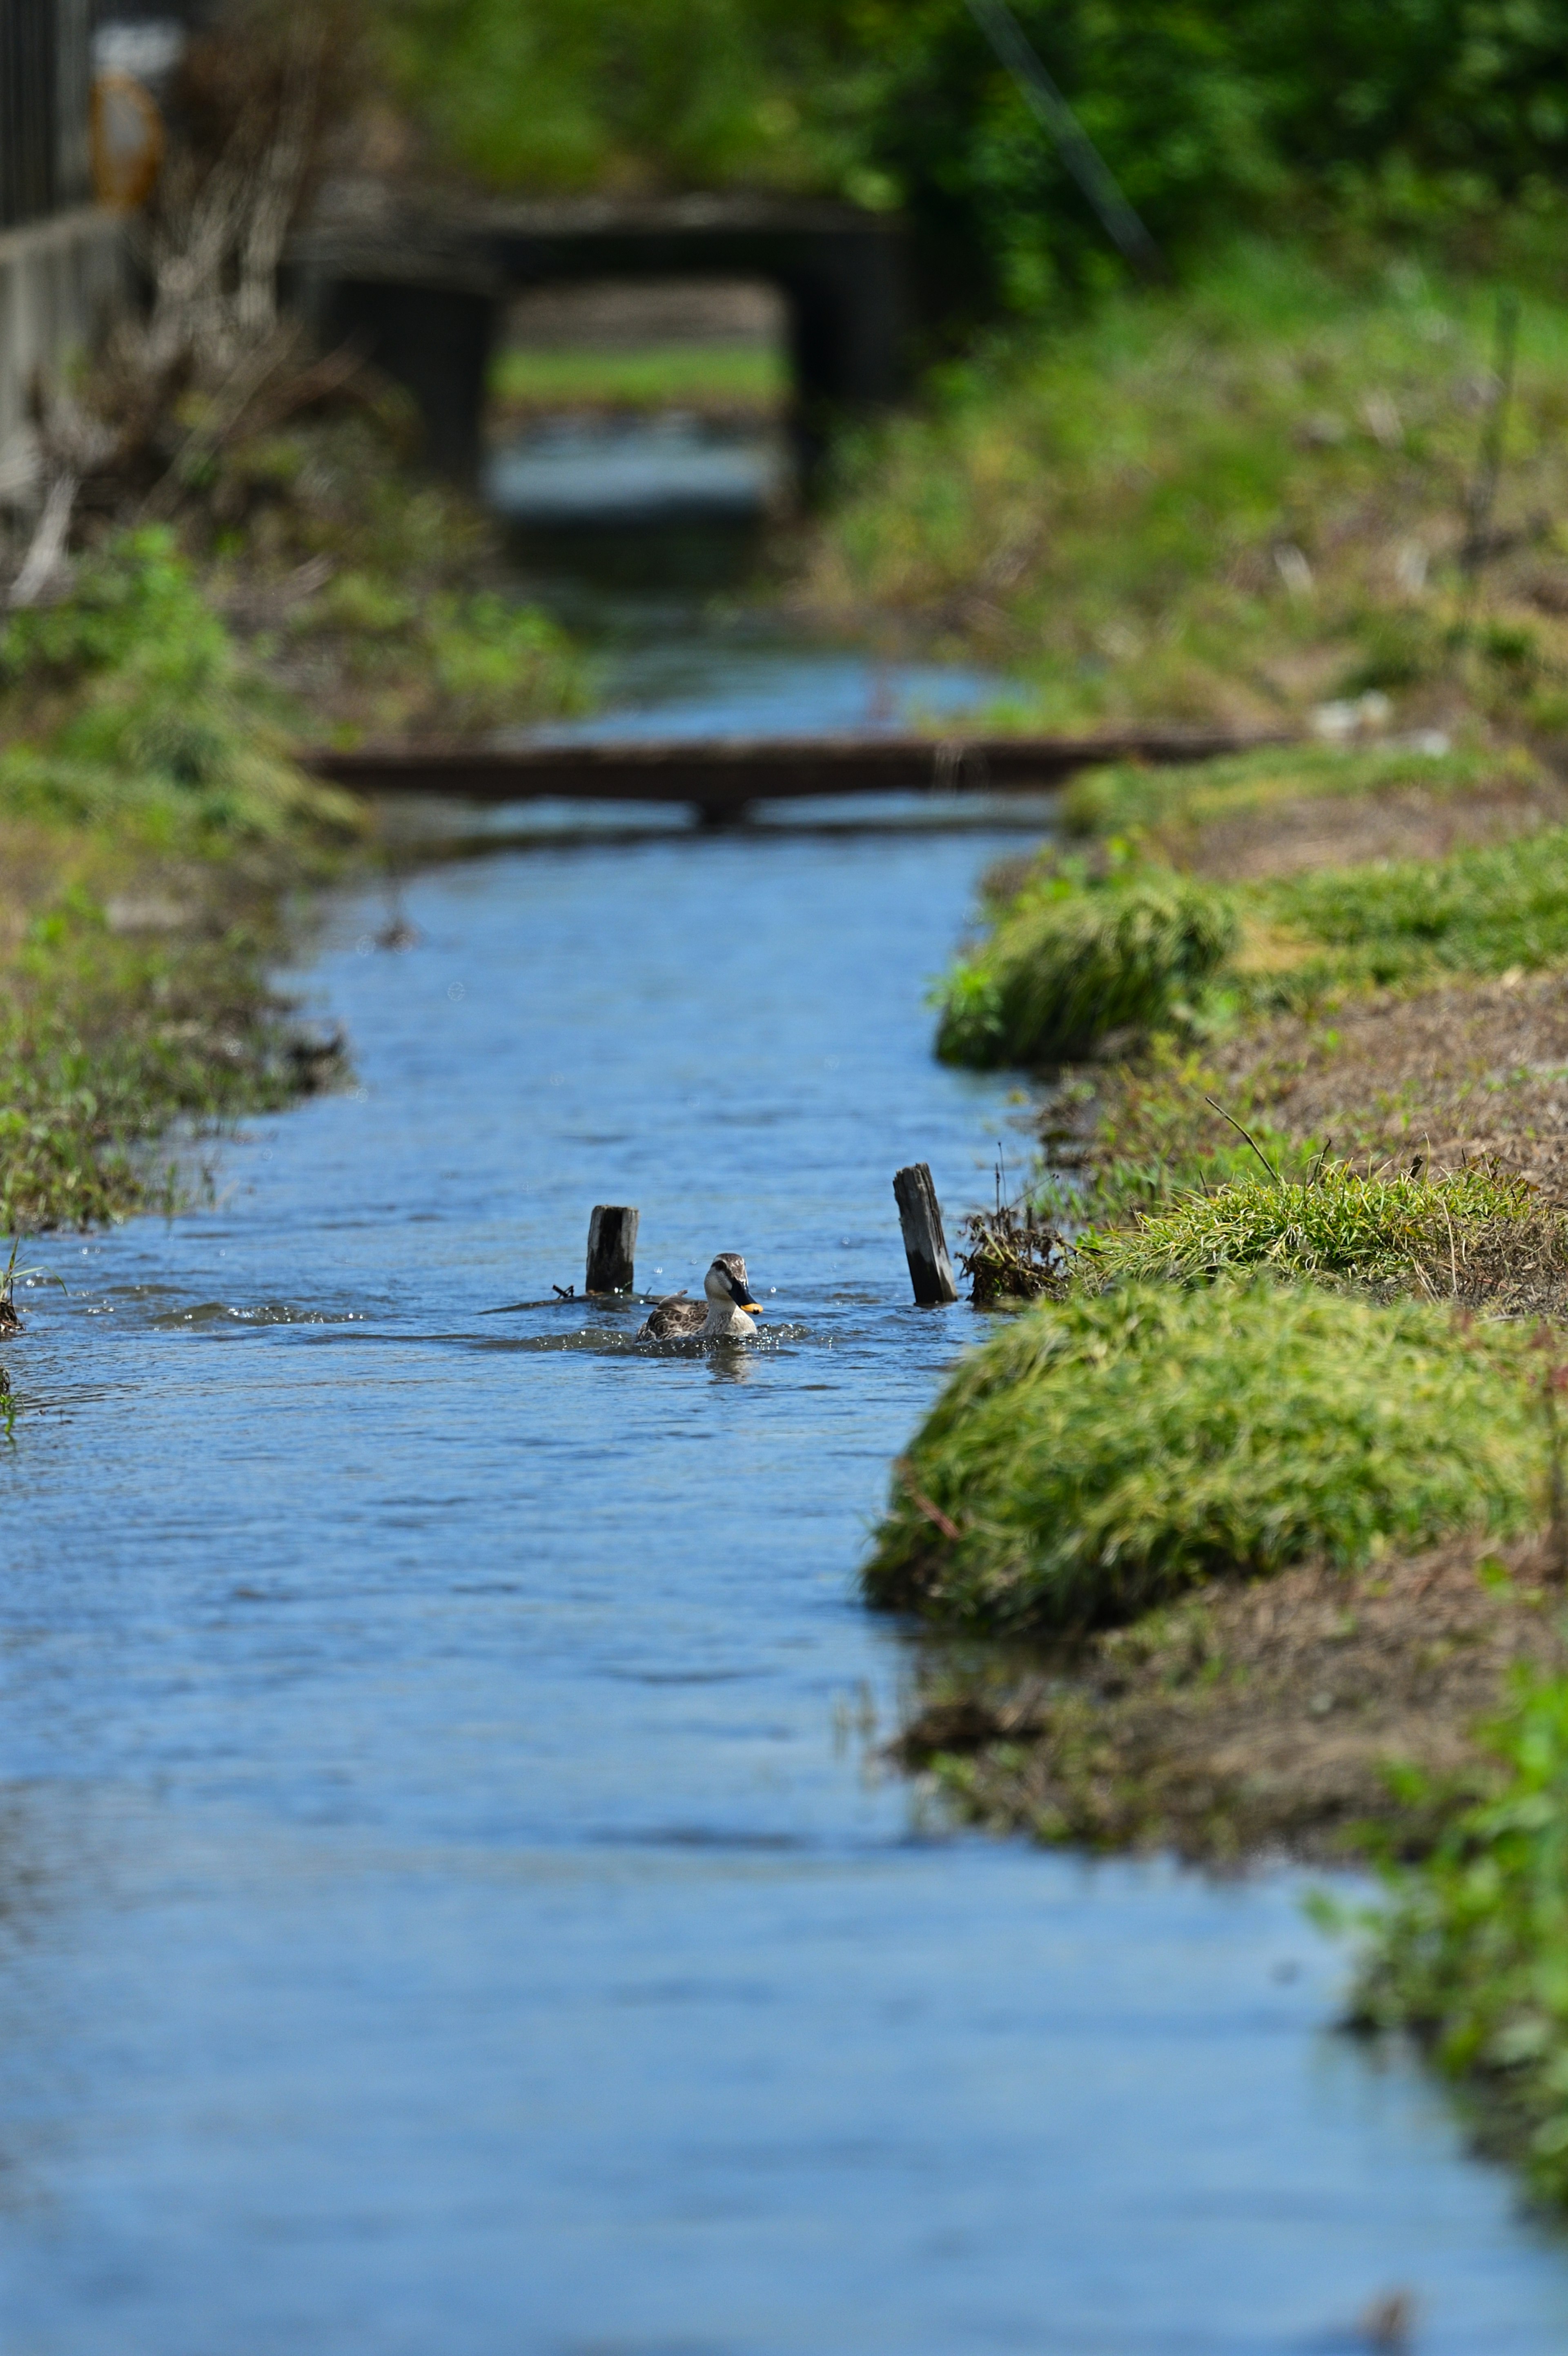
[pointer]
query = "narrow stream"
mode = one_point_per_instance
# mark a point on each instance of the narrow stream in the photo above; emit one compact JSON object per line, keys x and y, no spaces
{"x":448,"y":1902}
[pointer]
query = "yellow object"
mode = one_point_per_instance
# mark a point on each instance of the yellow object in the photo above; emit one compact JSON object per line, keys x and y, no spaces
{"x":127,"y":133}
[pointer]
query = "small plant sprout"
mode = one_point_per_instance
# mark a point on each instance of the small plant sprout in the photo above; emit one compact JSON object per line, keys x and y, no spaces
{"x":9,"y":1320}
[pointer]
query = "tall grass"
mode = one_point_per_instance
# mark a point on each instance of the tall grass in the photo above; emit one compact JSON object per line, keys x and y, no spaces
{"x":126,"y":704}
{"x":1104,"y":1453}
{"x":1129,"y":797}
{"x":1070,"y":961}
{"x":1338,"y":1222}
{"x":148,"y":811}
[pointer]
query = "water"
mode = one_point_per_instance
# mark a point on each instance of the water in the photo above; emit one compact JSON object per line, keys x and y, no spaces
{"x":448,"y":1899}
{"x":663,"y":470}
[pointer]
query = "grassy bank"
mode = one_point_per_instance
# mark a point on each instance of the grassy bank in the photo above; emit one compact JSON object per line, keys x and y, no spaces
{"x":739,"y":383}
{"x":1268,"y":1498}
{"x":151,"y":819}
{"x":1232,"y":503}
{"x":376,"y":602}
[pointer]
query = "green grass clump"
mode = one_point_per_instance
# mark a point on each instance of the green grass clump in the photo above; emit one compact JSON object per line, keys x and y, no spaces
{"x":1070,"y":958}
{"x":1473,"y":1954}
{"x":1481,"y":910}
{"x":149,"y":811}
{"x":1337,"y":1223}
{"x":106,"y":1039}
{"x":1066,"y":963}
{"x":1132,"y":798}
{"x":1106,"y":1451}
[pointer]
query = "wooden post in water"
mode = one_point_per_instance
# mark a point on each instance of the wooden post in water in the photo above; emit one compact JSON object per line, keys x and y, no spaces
{"x":926,"y":1247}
{"x":612,"y":1243}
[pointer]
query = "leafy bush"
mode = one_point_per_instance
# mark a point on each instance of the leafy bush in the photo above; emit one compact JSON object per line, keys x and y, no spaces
{"x":1337,"y":1224}
{"x":1106,"y":1451}
{"x":1419,"y":112}
{"x":1067,"y":963}
{"x":1473,"y":1952}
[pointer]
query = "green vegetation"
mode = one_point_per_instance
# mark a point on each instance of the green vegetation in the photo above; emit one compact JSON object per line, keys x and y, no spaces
{"x":713,"y":379}
{"x":1231,"y":504}
{"x":1130,"y":798}
{"x":375,"y":601}
{"x":1420,"y":115}
{"x":1373,"y":1229}
{"x":148,"y":813}
{"x":1480,"y":911}
{"x":1102,"y":1453}
{"x":1071,"y":959}
{"x":127,"y":703}
{"x":1471,"y":1952}
{"x":105,"y":1040}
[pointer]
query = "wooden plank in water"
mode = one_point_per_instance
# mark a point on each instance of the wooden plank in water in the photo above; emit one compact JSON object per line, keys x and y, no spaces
{"x":612,"y":1245}
{"x":721,"y":776}
{"x":925,"y":1245}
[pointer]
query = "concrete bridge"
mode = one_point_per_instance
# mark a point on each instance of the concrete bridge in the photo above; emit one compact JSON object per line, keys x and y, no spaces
{"x":421,"y":285}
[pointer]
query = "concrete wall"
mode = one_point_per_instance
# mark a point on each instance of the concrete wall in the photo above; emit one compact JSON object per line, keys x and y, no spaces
{"x":61,"y":281}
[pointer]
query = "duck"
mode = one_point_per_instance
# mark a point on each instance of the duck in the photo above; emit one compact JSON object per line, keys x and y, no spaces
{"x":724,"y":1318}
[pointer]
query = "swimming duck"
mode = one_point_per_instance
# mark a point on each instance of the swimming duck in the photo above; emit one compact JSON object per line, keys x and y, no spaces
{"x":723,"y":1320}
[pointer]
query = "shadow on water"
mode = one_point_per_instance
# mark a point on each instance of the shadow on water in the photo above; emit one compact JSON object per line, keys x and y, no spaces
{"x":477,"y":1916}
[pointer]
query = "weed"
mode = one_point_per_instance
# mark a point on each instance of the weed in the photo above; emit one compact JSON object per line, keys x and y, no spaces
{"x":1228,"y":504}
{"x":1375,"y":1228}
{"x":1130,"y":797}
{"x":1469,"y":1954}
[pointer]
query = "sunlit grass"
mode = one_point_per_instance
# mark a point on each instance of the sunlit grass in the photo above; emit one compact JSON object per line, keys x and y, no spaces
{"x":1227,"y":503}
{"x":1104,"y":1453}
{"x":741,"y":377}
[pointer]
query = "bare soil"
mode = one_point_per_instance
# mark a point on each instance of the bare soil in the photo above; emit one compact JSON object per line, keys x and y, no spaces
{"x":1275,"y":1717}
{"x":1292,"y":836}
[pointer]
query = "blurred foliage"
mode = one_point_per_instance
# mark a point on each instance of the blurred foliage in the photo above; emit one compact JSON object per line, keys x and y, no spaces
{"x":1227,"y":504}
{"x":127,"y":703}
{"x":1414,"y":113}
{"x":149,"y":814}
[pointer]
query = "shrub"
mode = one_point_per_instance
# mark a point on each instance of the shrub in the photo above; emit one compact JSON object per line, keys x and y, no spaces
{"x":1336,"y":1223}
{"x":1106,"y":1451}
{"x":1066,"y":965}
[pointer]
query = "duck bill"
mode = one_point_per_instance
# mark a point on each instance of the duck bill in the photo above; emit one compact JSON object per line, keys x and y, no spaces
{"x":740,"y":1294}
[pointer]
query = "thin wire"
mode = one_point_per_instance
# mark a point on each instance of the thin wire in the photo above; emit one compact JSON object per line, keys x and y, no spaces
{"x":1077,"y":151}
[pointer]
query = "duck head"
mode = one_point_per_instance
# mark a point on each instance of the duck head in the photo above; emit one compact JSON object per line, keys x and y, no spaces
{"x":726,"y":1284}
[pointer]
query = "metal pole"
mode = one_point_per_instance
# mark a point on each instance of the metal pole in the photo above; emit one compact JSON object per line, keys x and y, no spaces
{"x":1077,"y":150}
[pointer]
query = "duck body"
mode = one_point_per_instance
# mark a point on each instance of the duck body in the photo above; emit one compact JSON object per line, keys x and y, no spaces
{"x":720,"y":1317}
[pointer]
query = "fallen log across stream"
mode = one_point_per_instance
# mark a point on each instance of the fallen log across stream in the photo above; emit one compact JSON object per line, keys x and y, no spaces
{"x":720,"y":778}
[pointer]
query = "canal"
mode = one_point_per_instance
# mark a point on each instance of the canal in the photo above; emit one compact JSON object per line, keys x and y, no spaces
{"x":449,"y":1898}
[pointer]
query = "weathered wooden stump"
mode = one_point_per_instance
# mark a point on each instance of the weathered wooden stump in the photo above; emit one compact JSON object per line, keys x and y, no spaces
{"x":925,"y":1245}
{"x":612,"y":1245}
